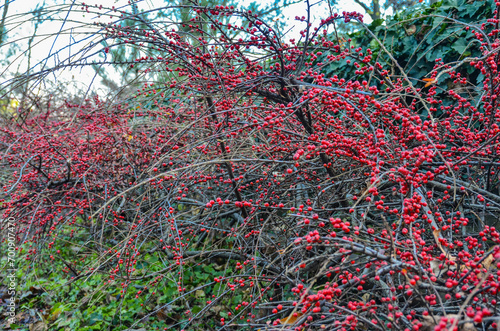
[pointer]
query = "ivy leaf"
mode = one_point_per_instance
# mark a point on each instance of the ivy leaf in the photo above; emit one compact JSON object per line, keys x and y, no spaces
{"x":460,"y":45}
{"x":470,"y":11}
{"x":437,"y":22}
{"x":435,"y":54}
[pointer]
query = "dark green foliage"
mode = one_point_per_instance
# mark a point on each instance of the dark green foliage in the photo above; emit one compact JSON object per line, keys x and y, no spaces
{"x":419,"y":39}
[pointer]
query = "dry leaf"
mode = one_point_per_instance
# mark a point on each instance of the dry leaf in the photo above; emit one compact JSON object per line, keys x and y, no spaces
{"x":411,"y":30}
{"x":290,"y":320}
{"x":38,"y":326}
{"x":428,"y":323}
{"x":488,"y":261}
{"x":466,"y":323}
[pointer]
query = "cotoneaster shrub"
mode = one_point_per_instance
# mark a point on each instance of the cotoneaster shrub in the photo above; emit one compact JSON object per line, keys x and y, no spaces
{"x":361,"y":204}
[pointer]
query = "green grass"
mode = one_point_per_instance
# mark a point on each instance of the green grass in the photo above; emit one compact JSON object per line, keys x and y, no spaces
{"x":47,"y":293}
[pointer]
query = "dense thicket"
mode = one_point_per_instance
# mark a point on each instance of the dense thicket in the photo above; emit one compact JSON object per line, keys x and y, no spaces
{"x":365,"y":199}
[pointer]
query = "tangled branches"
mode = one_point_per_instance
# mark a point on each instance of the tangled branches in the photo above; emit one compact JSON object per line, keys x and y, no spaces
{"x":338,"y":204}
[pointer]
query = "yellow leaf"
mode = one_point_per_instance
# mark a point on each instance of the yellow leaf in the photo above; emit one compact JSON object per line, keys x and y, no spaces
{"x":130,"y":138}
{"x":290,"y":319}
{"x":429,"y":81}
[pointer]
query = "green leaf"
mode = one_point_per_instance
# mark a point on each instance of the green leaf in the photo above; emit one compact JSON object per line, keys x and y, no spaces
{"x":374,"y":45}
{"x":209,"y":269}
{"x":376,"y":23}
{"x":94,"y":318}
{"x":433,"y":55}
{"x":449,"y":4}
{"x":460,"y":45}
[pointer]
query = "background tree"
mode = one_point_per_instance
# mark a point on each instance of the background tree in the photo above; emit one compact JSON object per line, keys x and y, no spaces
{"x":180,"y":14}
